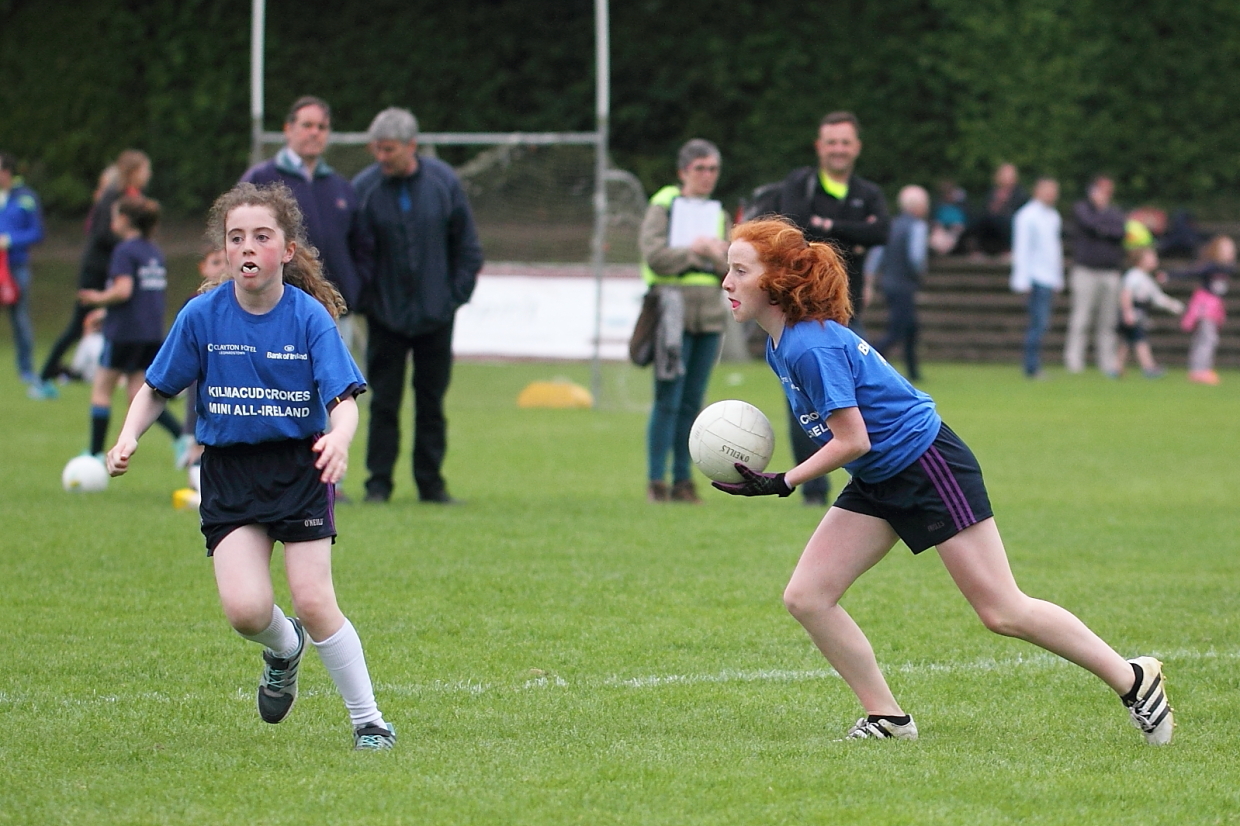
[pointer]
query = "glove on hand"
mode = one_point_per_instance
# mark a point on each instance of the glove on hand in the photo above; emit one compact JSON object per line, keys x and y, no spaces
{"x":755,"y":484}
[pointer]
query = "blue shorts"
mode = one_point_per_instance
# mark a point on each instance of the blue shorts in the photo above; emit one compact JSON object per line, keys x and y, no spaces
{"x":273,"y":484}
{"x":1132,"y":333}
{"x":128,"y":356}
{"x":930,"y":501}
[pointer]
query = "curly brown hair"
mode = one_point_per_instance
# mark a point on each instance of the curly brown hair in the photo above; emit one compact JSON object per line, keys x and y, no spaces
{"x":305,"y":271}
{"x":807,"y":279}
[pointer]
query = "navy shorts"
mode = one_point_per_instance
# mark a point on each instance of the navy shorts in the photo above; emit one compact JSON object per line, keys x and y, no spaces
{"x":931,"y":500}
{"x":128,"y":356}
{"x":273,"y":484}
{"x":1132,"y":333}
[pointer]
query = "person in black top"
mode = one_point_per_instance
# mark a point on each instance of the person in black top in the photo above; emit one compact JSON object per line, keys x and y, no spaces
{"x":833,"y":204}
{"x":133,"y":173}
{"x":415,"y":217}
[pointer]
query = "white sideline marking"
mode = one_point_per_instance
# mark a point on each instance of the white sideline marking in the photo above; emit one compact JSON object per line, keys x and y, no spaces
{"x":1040,"y":660}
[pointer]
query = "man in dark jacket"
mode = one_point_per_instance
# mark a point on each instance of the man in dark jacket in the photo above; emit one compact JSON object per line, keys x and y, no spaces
{"x":830,"y":203}
{"x":1097,"y":258}
{"x":327,"y":200}
{"x":426,"y":262}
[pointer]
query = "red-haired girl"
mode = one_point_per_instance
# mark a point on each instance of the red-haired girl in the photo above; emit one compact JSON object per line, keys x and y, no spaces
{"x":912,"y":479}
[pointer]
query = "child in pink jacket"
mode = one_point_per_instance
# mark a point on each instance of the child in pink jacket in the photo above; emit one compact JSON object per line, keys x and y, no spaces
{"x":1206,"y":312}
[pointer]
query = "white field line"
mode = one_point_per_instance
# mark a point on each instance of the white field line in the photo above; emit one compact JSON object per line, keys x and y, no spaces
{"x":1037,"y":660}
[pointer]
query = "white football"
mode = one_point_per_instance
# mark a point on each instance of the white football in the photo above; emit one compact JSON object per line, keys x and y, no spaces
{"x":728,"y":432}
{"x":84,"y":474}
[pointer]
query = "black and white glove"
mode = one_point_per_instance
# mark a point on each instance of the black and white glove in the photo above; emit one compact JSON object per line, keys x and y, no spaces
{"x":754,"y":483}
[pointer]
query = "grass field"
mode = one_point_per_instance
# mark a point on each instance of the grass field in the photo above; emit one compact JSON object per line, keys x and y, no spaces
{"x":557,"y":650}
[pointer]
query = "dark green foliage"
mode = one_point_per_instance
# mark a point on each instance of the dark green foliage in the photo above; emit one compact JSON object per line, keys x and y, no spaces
{"x":942,"y":87}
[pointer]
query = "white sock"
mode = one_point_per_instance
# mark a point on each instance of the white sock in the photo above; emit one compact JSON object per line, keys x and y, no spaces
{"x":342,"y":655}
{"x":279,"y":636}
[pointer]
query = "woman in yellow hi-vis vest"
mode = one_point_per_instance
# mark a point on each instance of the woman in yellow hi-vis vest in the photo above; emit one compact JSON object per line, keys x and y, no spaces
{"x":684,"y":251}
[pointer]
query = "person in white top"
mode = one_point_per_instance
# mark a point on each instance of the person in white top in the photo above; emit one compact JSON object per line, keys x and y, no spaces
{"x":1138,"y":291}
{"x":1037,"y":265}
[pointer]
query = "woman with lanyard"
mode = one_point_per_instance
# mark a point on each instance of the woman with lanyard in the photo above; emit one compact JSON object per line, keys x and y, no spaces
{"x":685,"y":279}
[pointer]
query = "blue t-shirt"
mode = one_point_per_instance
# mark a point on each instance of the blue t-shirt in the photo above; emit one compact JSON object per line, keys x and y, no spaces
{"x":141,"y":318}
{"x":824,"y":367}
{"x":260,"y":377}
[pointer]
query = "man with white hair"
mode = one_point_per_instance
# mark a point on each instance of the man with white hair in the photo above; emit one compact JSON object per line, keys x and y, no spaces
{"x":426,"y":262}
{"x":900,"y":273}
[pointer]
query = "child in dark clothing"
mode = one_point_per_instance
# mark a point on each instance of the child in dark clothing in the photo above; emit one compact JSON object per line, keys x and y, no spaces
{"x":133,"y":328}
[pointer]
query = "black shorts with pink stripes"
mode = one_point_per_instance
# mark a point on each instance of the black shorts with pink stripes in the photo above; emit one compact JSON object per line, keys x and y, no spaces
{"x":931,"y":500}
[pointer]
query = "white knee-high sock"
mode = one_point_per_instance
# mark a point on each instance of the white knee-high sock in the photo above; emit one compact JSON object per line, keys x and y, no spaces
{"x":279,"y":636}
{"x":342,"y":655}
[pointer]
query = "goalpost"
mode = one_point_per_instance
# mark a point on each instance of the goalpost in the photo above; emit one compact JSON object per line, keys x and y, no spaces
{"x":597,"y":139}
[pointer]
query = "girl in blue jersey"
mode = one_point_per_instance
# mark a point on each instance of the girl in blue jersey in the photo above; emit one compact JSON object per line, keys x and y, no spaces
{"x":272,"y":373}
{"x":912,"y":479}
{"x":133,"y":327}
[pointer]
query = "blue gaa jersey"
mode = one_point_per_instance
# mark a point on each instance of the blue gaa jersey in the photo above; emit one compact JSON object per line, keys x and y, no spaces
{"x":260,"y":377}
{"x":141,"y":318}
{"x":824,"y":367}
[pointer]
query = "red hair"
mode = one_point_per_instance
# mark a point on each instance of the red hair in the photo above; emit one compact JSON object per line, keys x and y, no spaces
{"x":806,"y":279}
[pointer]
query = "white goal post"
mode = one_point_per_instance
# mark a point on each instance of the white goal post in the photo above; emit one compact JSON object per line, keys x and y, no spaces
{"x":597,"y":138}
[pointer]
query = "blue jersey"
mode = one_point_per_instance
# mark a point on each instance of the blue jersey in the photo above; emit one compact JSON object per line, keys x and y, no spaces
{"x":824,"y":367}
{"x":260,"y":377}
{"x":141,"y":318}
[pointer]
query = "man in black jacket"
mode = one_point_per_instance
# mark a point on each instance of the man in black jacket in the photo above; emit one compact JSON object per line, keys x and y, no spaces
{"x":414,"y":215}
{"x":830,"y":203}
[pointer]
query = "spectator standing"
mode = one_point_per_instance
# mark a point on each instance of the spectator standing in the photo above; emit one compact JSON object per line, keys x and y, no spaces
{"x":832,"y":203}
{"x":21,"y":227}
{"x":901,"y":271}
{"x":1037,"y":265}
{"x":992,"y":230}
{"x":133,"y":173}
{"x":691,"y":316}
{"x":426,"y":262}
{"x":327,"y":199}
{"x":1097,"y":256}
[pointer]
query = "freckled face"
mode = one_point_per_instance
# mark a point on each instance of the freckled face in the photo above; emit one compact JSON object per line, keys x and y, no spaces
{"x":255,"y":248}
{"x":748,"y":300}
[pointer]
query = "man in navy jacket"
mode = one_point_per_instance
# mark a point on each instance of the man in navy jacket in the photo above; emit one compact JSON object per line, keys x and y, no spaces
{"x":426,"y":259}
{"x":328,"y":202}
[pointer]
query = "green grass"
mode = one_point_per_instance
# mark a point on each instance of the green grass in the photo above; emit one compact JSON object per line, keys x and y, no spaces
{"x":559,"y":651}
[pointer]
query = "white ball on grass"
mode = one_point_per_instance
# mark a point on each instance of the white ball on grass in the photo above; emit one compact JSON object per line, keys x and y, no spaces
{"x":728,"y":432}
{"x":84,"y":474}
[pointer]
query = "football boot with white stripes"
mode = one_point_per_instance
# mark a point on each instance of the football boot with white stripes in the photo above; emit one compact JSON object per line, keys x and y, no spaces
{"x":1150,"y":710}
{"x":882,"y":729}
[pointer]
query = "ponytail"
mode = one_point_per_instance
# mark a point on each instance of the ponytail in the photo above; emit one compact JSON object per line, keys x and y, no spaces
{"x":806,"y":279}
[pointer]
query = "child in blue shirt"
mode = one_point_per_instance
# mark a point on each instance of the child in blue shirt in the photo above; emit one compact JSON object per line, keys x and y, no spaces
{"x":912,"y":479}
{"x":272,"y":372}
